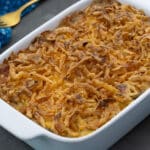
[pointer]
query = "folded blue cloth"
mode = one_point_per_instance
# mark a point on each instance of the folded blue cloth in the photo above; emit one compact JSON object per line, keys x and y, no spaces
{"x":9,"y":6}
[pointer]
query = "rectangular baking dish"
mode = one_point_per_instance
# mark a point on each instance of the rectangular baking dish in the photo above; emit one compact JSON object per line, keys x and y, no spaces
{"x":41,"y":139}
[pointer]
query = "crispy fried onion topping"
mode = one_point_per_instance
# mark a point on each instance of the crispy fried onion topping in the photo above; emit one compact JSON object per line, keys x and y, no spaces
{"x":74,"y":79}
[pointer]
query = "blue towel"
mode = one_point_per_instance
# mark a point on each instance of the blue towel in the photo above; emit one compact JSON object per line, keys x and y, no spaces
{"x":9,"y":6}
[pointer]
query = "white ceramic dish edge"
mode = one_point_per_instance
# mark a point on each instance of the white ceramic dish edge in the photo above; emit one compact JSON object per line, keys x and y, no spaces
{"x":39,"y":138}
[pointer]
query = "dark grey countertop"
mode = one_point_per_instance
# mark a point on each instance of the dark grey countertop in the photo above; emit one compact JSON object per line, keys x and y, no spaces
{"x":137,"y":139}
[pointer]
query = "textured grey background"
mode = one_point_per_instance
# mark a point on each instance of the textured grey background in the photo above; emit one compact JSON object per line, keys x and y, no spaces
{"x":137,"y":139}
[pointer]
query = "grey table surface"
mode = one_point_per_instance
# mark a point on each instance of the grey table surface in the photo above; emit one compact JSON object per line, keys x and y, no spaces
{"x":137,"y":139}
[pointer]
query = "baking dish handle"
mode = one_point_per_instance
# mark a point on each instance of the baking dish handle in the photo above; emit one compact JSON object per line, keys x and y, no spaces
{"x":16,"y":123}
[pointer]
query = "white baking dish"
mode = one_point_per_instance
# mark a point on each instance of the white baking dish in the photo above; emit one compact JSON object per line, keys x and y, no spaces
{"x":41,"y":139}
